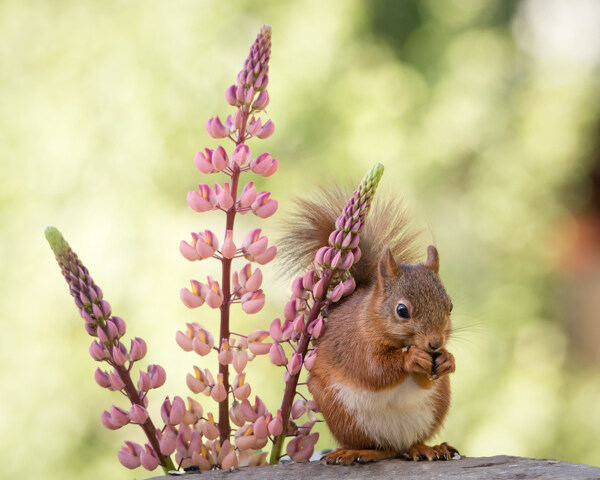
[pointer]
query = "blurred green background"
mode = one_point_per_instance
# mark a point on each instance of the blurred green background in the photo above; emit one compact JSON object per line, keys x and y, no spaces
{"x":484,"y":112}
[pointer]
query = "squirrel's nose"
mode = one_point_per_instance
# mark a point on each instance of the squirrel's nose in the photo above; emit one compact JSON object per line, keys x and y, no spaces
{"x":435,"y":345}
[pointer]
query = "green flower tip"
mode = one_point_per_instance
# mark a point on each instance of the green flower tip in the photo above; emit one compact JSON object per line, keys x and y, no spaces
{"x":372,"y":177}
{"x":57,"y":242}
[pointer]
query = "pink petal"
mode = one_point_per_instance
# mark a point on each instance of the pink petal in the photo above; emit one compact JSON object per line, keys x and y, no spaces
{"x":190,"y":299}
{"x":197,"y":202}
{"x":203,"y":164}
{"x":266,"y":256}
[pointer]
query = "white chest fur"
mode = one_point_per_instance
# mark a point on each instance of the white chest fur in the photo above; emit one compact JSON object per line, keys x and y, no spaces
{"x":398,"y":417}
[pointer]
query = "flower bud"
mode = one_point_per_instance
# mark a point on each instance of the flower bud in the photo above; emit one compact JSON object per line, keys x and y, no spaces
{"x":224,"y":198}
{"x":263,"y":206}
{"x":253,"y":302}
{"x":129,"y":455}
{"x":277,"y":355}
{"x":97,"y":351}
{"x":219,"y":159}
{"x":203,"y":161}
{"x":262,"y":101}
{"x":215,"y":128}
{"x":149,"y":459}
{"x":267,"y":130}
{"x":138,"y":414}
{"x":310,"y":359}
{"x":138,"y":349}
{"x":248,"y":195}
{"x":228,"y":250}
{"x":230,"y":95}
{"x":295,"y":364}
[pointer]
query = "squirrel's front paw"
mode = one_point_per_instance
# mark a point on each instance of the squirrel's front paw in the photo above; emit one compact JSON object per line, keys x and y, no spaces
{"x":417,"y":361}
{"x":443,"y":364}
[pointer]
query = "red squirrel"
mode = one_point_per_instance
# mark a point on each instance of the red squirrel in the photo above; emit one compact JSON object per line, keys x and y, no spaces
{"x":381,"y":373}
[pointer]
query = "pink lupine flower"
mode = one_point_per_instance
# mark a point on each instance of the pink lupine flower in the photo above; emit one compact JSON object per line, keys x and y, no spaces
{"x":219,"y":159}
{"x":228,"y":250}
{"x":248,"y":195}
{"x":138,"y":414}
{"x":230,"y":460}
{"x":253,"y":302}
{"x":250,"y":280}
{"x":149,"y":458}
{"x":138,"y":349}
{"x":264,"y":165}
{"x":119,"y":354}
{"x":241,"y":389}
{"x":240,"y":155}
{"x":260,"y":427}
{"x":199,"y":382}
{"x":215,"y":128}
{"x":310,"y":360}
{"x":101,"y":378}
{"x":262,"y":101}
{"x":263,"y":206}
{"x":295,"y":364}
{"x":224,"y":198}
{"x":97,"y":351}
{"x":193,"y":298}
{"x":116,"y":384}
{"x":108,"y":421}
{"x":230,"y":95}
{"x":277,"y":355}
{"x":172,"y":413}
{"x":212,"y":293}
{"x":203,"y":199}
{"x":157,"y":375}
{"x":203,"y":162}
{"x":298,"y":324}
{"x":209,"y":429}
{"x":276,"y":424}
{"x":167,"y":440}
{"x":194,"y":408}
{"x":302,"y":447}
{"x":129,"y":455}
{"x":251,"y":413}
{"x":267,"y":130}
{"x":235,"y":414}
{"x":218,"y":392}
{"x":225,"y":356}
{"x":255,"y":340}
{"x":240,"y":356}
{"x":317,"y":328}
{"x":266,"y":256}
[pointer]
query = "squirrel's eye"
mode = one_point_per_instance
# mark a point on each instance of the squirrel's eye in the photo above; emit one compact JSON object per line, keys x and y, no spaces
{"x":402,"y":311}
{"x":451,"y":307}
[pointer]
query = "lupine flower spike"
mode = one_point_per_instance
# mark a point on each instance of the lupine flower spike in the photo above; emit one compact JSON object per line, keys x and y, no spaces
{"x":305,"y":312}
{"x":236,"y":285}
{"x":108,"y":347}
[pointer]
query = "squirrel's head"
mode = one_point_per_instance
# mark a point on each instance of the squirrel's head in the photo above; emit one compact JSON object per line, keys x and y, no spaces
{"x":410,"y":303}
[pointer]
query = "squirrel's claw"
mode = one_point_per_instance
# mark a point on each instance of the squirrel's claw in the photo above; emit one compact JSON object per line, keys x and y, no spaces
{"x":420,"y":452}
{"x":345,"y":456}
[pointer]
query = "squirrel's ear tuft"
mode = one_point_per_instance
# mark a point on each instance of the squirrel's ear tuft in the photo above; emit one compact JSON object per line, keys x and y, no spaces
{"x":388,"y":268}
{"x":433,"y":259}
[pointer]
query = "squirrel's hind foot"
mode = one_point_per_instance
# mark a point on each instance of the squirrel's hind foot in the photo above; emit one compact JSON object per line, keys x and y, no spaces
{"x":344,"y":456}
{"x":438,"y":452}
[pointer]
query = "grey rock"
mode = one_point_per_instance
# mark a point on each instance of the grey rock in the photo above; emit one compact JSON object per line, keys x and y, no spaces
{"x":499,"y":467}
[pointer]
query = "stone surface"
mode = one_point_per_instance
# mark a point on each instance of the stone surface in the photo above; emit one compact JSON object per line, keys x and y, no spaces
{"x":501,"y":467}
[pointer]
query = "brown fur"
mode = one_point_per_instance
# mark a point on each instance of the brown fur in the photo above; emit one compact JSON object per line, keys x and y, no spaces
{"x":367,"y":346}
{"x":309,"y":225}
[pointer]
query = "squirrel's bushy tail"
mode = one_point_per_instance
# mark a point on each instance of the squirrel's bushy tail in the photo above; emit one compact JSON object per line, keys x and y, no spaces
{"x":307,"y":229}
